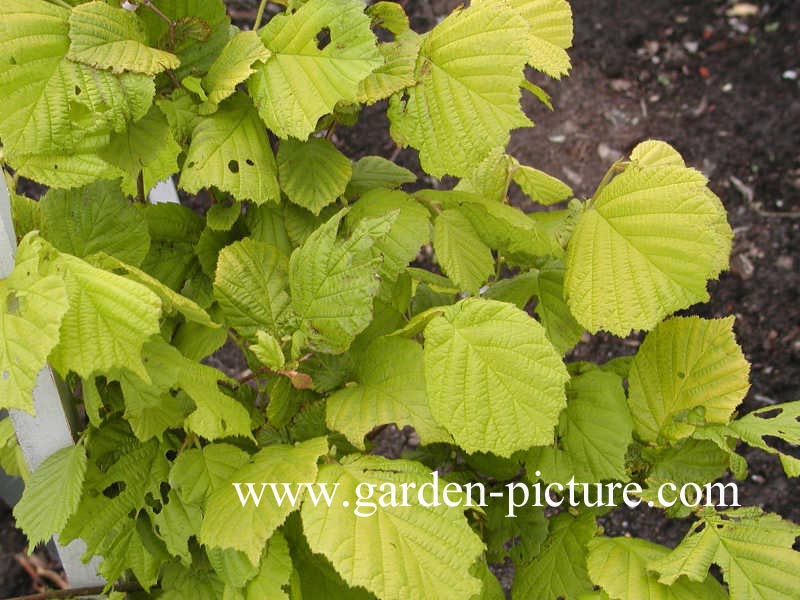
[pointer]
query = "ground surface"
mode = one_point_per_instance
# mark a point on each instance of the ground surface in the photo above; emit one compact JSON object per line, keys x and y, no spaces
{"x":724,"y":91}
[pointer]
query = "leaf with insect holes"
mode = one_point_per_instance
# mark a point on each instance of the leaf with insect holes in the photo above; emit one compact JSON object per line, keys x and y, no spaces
{"x":230,"y":151}
{"x":308,"y":74}
{"x":753,"y":549}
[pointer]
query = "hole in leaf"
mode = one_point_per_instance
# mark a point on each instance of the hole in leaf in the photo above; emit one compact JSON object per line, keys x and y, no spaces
{"x":384,"y":35}
{"x":12,"y":60}
{"x":190,"y":165}
{"x":164,"y":490}
{"x":12,"y":304}
{"x":114,"y":490}
{"x":78,"y":90}
{"x":233,"y":166}
{"x":250,"y":162}
{"x":681,"y":375}
{"x":223,"y":423}
{"x":769,"y":414}
{"x":323,"y":38}
{"x":55,"y":167}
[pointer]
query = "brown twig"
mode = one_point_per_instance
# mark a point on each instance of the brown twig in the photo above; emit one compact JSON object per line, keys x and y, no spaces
{"x":78,"y":592}
{"x":140,"y":188}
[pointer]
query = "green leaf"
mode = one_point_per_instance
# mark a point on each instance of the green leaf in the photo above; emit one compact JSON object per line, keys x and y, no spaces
{"x":301,"y":82}
{"x":267,"y":223}
{"x":698,"y":461}
{"x":621,"y":566}
{"x":171,"y":301}
{"x":314,"y":576}
{"x":686,"y":363}
{"x":127,"y":551}
{"x":196,"y":52}
{"x":333,"y":281}
{"x":274,"y":571}
{"x":229,"y":524}
{"x":117,"y":314}
{"x":49,"y":102}
{"x":753,"y":549}
{"x":397,"y":71}
{"x":268,"y":351}
{"x":595,"y":431}
{"x":654,"y":153}
{"x":33,"y":302}
{"x":645,"y":247}
{"x":460,"y":251}
{"x":95,"y":219}
{"x":466,"y":99}
{"x":781,"y":421}
{"x":373,"y":172}
{"x":409,"y":231}
{"x":389,"y":16}
{"x":494,"y":380}
{"x":549,"y":35}
{"x":230,"y":151}
{"x":519,"y":538}
{"x":390,"y":388}
{"x":399,"y":552}
{"x":69,"y":168}
{"x":198,"y":473}
{"x":521,"y":239}
{"x":146,"y":147}
{"x":105,"y":37}
{"x":490,"y":178}
{"x":560,"y":325}
{"x":176,"y":523}
{"x":250,"y":287}
{"x":541,"y":187}
{"x":232,"y":567}
{"x":217,"y":414}
{"x":559,"y":570}
{"x":41,"y":513}
{"x":313,"y":174}
{"x":100,"y":520}
{"x":12,"y":462}
{"x":232,"y":67}
{"x":174,"y":232}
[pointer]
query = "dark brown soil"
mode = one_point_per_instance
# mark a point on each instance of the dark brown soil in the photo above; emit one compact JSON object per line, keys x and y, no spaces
{"x":724,"y":91}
